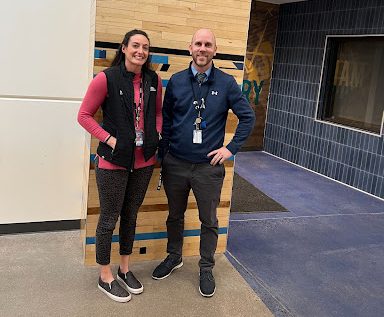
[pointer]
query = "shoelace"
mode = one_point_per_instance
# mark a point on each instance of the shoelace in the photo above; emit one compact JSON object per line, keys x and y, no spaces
{"x":206,"y":275}
{"x":169,"y":262}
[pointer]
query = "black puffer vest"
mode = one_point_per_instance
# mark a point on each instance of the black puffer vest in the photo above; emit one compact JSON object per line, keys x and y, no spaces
{"x":118,"y":116}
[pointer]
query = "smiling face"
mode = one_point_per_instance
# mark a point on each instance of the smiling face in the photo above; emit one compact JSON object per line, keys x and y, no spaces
{"x":136,"y":53}
{"x":203,"y":49}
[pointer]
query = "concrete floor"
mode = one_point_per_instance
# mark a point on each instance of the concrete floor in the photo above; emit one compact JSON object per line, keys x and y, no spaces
{"x":42,"y":274}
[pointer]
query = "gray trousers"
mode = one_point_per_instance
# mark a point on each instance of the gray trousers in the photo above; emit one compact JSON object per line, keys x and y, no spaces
{"x":121,"y":193}
{"x":206,"y":181}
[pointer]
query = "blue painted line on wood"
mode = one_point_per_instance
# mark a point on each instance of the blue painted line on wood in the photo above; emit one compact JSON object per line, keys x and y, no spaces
{"x":164,"y":82}
{"x":156,"y":235}
{"x":159,"y":59}
{"x":239,"y":65}
{"x":100,"y":53}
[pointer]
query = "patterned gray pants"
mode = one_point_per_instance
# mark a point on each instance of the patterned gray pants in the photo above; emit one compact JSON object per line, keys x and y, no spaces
{"x":121,"y":193}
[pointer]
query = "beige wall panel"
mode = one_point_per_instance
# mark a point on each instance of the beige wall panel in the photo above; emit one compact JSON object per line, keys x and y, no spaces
{"x":42,"y":165}
{"x":48,"y":44}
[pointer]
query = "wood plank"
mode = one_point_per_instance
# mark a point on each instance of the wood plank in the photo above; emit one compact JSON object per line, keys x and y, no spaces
{"x":178,"y":4}
{"x":118,"y":29}
{"x":213,"y":9}
{"x":117,"y":12}
{"x":158,"y":222}
{"x":245,"y":5}
{"x":156,"y":207}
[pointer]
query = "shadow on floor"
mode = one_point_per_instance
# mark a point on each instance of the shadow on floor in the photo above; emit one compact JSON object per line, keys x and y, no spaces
{"x":247,"y":198}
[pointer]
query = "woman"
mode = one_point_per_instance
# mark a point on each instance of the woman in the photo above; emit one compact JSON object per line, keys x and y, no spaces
{"x":129,"y":94}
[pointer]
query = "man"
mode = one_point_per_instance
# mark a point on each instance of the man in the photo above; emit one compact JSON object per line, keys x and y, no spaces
{"x":195,"y":109}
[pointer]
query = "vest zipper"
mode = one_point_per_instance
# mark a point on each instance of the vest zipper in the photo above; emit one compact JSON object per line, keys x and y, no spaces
{"x":133,"y":157}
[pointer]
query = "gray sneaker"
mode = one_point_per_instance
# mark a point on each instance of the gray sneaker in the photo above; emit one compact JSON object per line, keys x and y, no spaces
{"x":130,"y":282}
{"x":114,"y":291}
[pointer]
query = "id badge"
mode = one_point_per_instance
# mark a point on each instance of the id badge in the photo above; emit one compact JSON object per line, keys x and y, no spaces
{"x":197,"y":136}
{"x":139,"y":140}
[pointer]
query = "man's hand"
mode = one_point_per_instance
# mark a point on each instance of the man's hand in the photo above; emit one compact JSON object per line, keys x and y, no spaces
{"x":219,"y":155}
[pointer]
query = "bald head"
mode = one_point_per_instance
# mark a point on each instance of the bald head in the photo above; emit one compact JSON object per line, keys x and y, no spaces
{"x":204,"y":33}
{"x":202,"y":49}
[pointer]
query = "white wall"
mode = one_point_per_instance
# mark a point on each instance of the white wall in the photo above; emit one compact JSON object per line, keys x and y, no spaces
{"x":46,"y":54}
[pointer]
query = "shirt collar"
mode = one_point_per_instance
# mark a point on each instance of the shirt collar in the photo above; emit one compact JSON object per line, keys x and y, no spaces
{"x":207,"y":72}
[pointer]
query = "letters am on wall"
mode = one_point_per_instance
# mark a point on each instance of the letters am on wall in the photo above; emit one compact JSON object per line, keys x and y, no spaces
{"x":258,"y":65}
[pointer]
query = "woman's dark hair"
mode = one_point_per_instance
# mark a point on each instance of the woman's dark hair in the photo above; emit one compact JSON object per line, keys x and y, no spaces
{"x":120,"y":57}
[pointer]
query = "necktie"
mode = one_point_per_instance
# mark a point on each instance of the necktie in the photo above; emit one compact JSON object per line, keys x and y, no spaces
{"x":201,"y":77}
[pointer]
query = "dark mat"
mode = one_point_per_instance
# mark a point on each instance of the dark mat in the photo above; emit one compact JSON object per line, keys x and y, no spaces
{"x":247,"y":198}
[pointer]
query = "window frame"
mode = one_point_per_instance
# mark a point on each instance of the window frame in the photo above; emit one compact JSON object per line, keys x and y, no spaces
{"x":321,"y":108}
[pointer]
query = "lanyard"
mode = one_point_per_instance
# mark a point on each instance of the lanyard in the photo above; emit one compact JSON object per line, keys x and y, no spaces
{"x":138,"y":106}
{"x":201,"y":106}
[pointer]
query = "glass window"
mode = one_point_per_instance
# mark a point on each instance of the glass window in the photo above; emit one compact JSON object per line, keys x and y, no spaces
{"x":352,"y":91}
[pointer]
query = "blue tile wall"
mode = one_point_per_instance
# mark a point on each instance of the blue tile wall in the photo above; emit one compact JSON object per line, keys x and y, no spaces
{"x":352,"y":157}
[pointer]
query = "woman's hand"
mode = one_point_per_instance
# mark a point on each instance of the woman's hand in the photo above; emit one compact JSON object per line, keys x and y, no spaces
{"x":112,"y":142}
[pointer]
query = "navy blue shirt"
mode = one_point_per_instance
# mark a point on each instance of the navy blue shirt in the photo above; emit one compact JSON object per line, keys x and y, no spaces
{"x":179,"y":114}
